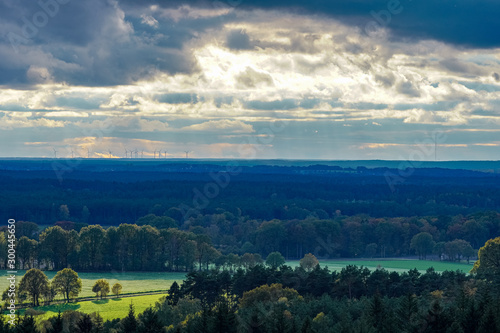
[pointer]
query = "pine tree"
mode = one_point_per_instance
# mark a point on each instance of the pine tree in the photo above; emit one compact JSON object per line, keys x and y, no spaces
{"x":471,"y":317}
{"x":129,"y":323}
{"x":84,"y":324}
{"x":149,"y":322}
{"x":406,"y":313}
{"x":437,"y":321}
{"x":488,"y":322}
{"x":57,"y":324}
{"x":98,"y":324}
{"x":174,"y":294}
{"x":26,"y":325}
{"x":225,"y":319}
{"x":306,"y":326}
{"x":378,"y":313}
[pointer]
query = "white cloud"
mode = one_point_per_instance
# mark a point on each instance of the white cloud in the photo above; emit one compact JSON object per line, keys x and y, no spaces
{"x":223,"y":126}
{"x":149,"y":20}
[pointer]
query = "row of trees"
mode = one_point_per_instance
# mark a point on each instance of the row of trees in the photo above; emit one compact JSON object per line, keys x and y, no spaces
{"x":142,"y":246}
{"x":423,"y":244}
{"x":35,"y":286}
{"x":127,"y":247}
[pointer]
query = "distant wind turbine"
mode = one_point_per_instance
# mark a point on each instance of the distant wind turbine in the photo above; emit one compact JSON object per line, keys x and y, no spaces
{"x":72,"y":154}
{"x":55,"y":152}
{"x":126,"y":153}
{"x":109,"y":151}
{"x":435,"y":147}
{"x":187,"y":153}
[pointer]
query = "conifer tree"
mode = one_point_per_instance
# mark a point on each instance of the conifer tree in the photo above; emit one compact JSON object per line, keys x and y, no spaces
{"x":98,"y":324}
{"x":488,"y":322}
{"x":149,"y":322}
{"x":84,"y":324}
{"x":174,"y":294}
{"x":57,"y":324}
{"x":129,"y":323}
{"x":26,"y":325}
{"x":407,"y":313}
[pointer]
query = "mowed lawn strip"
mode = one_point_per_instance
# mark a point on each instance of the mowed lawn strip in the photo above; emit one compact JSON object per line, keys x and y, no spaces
{"x":132,"y":282}
{"x":397,"y":265}
{"x":109,"y":308}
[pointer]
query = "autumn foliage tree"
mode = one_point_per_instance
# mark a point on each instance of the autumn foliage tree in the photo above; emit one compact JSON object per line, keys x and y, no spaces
{"x":488,"y":258}
{"x":309,"y":262}
{"x":116,"y":289}
{"x":101,"y":288}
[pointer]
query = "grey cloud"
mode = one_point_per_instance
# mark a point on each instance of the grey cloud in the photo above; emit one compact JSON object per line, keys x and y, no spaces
{"x":95,"y":43}
{"x":180,"y":98}
{"x":386,"y":80}
{"x":284,"y":104}
{"x":238,"y":40}
{"x":408,"y":89}
{"x":251,"y":78}
{"x":457,"y":66}
{"x":438,"y":106}
{"x":496,"y":76}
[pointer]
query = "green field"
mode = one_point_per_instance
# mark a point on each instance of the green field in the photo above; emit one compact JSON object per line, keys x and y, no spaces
{"x":109,"y":308}
{"x":398,"y":265}
{"x":132,"y":282}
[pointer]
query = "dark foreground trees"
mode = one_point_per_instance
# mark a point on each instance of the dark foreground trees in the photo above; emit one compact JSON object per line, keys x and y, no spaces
{"x":290,"y":300}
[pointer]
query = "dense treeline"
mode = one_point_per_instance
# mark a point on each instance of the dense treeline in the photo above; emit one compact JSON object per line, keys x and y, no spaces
{"x":316,"y":300}
{"x":111,"y":194}
{"x":160,"y":243}
{"x":128,"y":247}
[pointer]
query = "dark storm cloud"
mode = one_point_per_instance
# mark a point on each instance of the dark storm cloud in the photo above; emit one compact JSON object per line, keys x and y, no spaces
{"x":93,"y":42}
{"x":238,"y":40}
{"x":461,"y":22}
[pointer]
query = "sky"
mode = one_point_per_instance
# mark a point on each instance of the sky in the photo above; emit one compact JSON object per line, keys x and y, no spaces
{"x":346,"y":79}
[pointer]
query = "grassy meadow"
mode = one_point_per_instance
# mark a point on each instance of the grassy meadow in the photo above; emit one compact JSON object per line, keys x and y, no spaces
{"x":132,"y":282}
{"x":398,"y":265}
{"x":110,"y":308}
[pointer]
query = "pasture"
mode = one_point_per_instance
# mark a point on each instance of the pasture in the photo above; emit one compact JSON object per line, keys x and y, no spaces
{"x":132,"y":282}
{"x":109,"y":308}
{"x":398,"y":265}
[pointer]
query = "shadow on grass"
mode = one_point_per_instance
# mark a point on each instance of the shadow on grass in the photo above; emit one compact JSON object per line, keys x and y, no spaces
{"x":116,"y":299}
{"x":101,"y":301}
{"x":59,"y":307}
